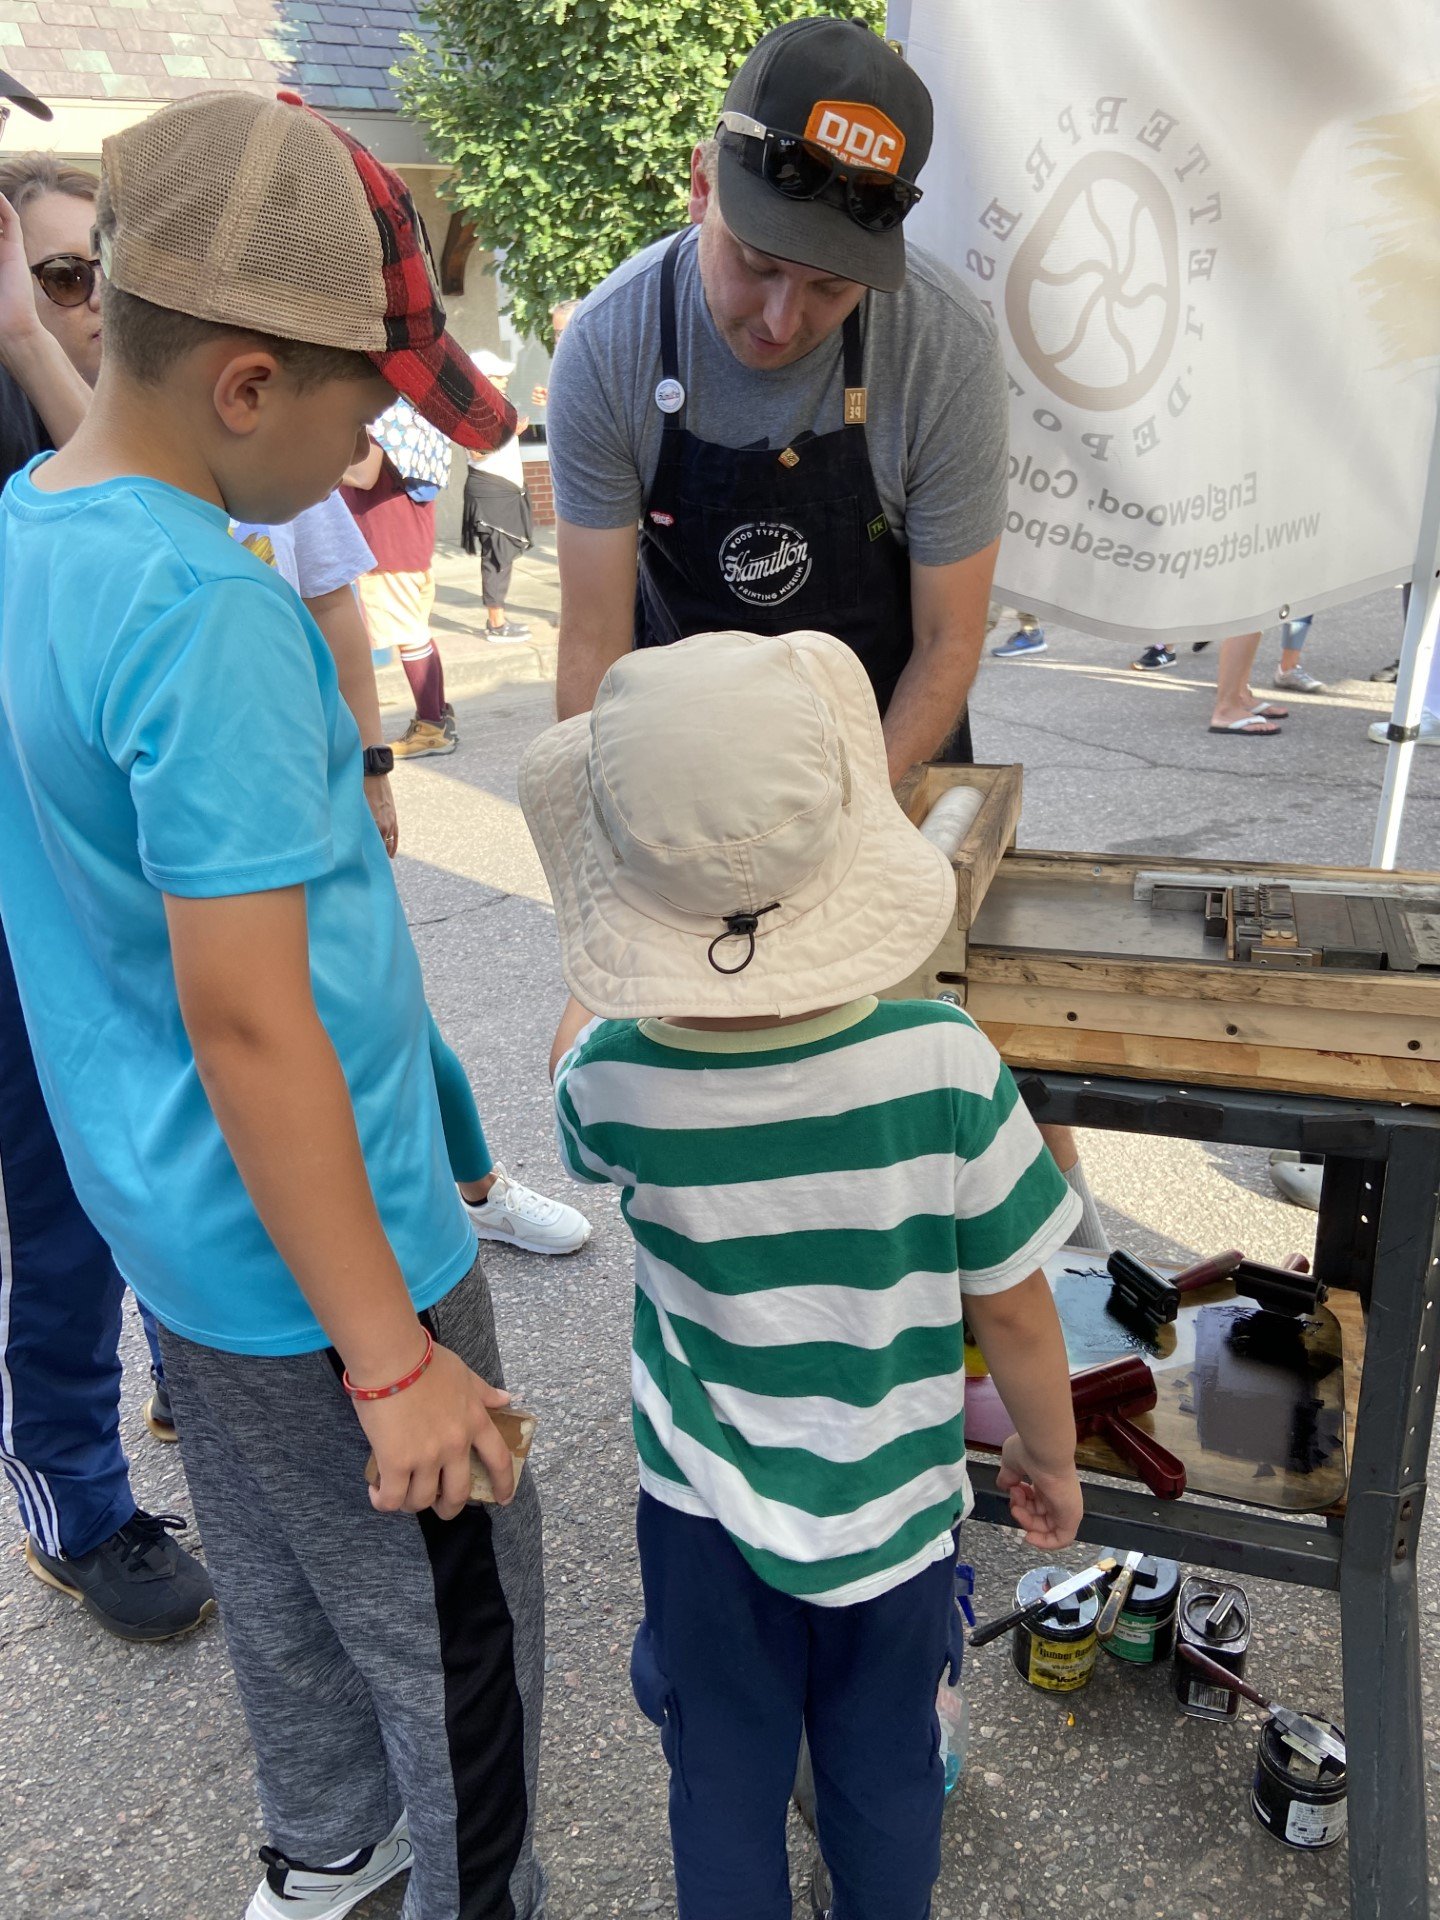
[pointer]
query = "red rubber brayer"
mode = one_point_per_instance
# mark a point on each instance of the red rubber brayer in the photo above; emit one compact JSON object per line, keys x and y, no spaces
{"x":1105,"y":1400}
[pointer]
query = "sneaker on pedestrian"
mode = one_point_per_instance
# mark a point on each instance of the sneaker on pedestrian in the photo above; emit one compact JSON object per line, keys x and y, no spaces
{"x":1428,"y":736}
{"x":527,"y":1219}
{"x":422,"y":737}
{"x":293,"y":1891}
{"x":1297,"y":680}
{"x":138,"y":1584}
{"x":1154,"y":658}
{"x":1024,"y":640}
{"x":508,"y":630}
{"x":1389,"y":675}
{"x":159,"y":1414}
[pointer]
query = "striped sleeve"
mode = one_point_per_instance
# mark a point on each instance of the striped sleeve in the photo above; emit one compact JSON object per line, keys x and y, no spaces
{"x":1013,"y":1206}
{"x":578,"y":1157}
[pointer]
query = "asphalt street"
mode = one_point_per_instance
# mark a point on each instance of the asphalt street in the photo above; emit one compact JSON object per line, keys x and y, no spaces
{"x":125,"y":1772}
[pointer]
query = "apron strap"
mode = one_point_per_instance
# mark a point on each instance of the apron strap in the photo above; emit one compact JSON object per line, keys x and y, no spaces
{"x":669,"y":346}
{"x":853,"y":362}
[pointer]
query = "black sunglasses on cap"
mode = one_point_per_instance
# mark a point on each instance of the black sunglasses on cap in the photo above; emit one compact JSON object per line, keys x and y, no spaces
{"x":68,"y":279}
{"x":802,"y":170}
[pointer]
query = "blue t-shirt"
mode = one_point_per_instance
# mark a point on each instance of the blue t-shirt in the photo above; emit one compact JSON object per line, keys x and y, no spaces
{"x":170,"y":722}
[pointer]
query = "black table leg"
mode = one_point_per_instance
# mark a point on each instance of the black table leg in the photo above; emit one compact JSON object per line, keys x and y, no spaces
{"x":1379,"y":1612}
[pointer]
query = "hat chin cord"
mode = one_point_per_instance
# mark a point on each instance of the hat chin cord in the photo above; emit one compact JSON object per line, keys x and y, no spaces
{"x":739,"y":926}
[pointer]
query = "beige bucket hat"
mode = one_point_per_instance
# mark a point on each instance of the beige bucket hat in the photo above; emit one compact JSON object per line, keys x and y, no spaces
{"x":720,"y":836}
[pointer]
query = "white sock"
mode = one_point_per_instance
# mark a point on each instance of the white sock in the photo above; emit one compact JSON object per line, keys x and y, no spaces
{"x":1090,"y":1233}
{"x":339,"y":1866}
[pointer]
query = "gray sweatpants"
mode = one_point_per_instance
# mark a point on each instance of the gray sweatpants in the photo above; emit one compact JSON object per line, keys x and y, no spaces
{"x":384,"y":1661}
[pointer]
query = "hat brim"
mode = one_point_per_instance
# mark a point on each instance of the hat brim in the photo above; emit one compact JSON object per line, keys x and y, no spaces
{"x":808,"y":232}
{"x":446,"y":387}
{"x":888,"y":910}
{"x":16,"y":91}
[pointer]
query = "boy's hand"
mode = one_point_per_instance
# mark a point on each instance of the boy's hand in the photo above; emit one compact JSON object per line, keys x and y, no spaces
{"x":423,"y":1436}
{"x":1046,"y":1506}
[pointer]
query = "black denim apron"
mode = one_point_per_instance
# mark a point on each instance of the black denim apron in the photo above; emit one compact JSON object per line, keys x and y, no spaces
{"x":771,"y":540}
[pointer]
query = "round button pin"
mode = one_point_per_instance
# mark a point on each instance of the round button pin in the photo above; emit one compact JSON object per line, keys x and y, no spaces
{"x":669,"y":396}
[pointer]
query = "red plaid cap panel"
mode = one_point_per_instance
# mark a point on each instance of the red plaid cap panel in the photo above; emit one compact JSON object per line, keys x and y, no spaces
{"x":442,"y":382}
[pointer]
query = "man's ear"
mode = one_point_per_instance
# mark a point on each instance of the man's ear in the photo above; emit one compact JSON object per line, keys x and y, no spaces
{"x":701,"y":187}
{"x":245,"y":385}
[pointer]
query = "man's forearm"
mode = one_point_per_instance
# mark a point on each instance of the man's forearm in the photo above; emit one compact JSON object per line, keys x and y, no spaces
{"x":928,"y":701}
{"x":282,"y":1103}
{"x":38,"y":364}
{"x":583,"y":659}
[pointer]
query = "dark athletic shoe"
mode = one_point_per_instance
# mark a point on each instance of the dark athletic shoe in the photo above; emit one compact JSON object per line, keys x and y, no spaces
{"x":138,"y":1584}
{"x":1154,"y":658}
{"x":291,"y":1891}
{"x":159,"y":1415}
{"x":1387,"y":676}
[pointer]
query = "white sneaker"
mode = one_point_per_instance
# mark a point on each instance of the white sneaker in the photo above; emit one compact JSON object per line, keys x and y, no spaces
{"x":527,"y":1219}
{"x":1429,"y":735}
{"x":1297,"y":680}
{"x":289,"y":1892}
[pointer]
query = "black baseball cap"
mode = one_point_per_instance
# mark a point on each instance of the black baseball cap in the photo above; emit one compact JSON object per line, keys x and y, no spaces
{"x":16,"y":90}
{"x":840,"y":86}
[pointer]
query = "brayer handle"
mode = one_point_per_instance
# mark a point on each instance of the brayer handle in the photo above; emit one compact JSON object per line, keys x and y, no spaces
{"x":1205,"y":1273}
{"x":1222,"y":1676}
{"x":1162,"y":1471}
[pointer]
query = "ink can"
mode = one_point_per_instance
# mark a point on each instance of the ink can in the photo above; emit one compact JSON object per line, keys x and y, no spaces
{"x":1057,"y":1653}
{"x":1298,"y":1799}
{"x":1213,"y":1616}
{"x":1145,"y":1631}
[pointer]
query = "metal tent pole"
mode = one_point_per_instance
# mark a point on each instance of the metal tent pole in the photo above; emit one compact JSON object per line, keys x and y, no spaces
{"x":1416,"y":652}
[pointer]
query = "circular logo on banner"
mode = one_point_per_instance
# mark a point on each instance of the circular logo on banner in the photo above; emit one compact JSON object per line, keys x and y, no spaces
{"x":764,"y":561}
{"x":669,"y":396}
{"x":1094,"y":293}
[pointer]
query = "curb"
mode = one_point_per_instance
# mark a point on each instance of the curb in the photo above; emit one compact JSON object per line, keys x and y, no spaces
{"x":524,"y":664}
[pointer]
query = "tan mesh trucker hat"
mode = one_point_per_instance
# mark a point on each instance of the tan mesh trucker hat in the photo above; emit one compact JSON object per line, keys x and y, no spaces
{"x":258,"y":212}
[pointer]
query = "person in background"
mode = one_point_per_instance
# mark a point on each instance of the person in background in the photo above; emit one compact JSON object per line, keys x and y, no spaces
{"x":61,"y":1297}
{"x":561,"y":314}
{"x":1236,"y":709}
{"x":825,"y":1189}
{"x":1429,"y":734}
{"x":323,"y":557}
{"x":391,"y":493}
{"x":498,"y":523}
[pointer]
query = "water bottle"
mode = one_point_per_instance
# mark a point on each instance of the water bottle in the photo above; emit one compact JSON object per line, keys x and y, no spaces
{"x":952,"y":1705}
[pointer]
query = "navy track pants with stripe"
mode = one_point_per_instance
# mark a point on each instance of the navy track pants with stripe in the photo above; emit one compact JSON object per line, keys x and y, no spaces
{"x":60,"y":1300}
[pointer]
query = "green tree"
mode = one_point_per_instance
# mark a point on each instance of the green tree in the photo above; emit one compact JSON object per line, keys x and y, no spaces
{"x":569,"y":123}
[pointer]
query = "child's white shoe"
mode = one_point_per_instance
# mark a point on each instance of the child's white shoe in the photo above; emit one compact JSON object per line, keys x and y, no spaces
{"x":293,"y":1892}
{"x":524,"y":1218}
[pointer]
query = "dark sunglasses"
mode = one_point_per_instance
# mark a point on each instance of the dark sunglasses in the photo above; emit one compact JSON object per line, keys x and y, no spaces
{"x":67,"y":278}
{"x":801,"y":170}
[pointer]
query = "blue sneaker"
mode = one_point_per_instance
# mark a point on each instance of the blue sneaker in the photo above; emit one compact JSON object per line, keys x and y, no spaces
{"x":1023,"y":640}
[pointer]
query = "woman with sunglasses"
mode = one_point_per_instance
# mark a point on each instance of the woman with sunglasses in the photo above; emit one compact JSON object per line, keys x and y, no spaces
{"x":49,"y":304}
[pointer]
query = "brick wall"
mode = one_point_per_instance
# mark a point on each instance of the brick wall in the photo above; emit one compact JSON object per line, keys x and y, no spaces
{"x":542,"y":498}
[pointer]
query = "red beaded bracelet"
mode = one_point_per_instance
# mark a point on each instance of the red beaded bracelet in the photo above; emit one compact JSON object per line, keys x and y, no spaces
{"x":395,"y":1386}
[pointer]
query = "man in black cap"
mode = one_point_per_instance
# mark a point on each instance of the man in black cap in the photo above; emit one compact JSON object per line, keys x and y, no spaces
{"x":806,"y":420}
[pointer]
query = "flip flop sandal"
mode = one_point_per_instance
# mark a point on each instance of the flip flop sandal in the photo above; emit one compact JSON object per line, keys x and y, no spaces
{"x":1267,"y":712}
{"x":1251,"y":723}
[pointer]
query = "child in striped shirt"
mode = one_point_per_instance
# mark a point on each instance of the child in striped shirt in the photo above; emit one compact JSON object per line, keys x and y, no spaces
{"x":816,"y":1181}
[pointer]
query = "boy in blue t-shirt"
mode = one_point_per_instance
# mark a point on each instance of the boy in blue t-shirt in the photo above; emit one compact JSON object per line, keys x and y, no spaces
{"x":227,"y":1010}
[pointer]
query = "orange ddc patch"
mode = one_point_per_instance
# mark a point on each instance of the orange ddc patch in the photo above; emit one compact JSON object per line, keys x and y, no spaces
{"x":856,"y":133}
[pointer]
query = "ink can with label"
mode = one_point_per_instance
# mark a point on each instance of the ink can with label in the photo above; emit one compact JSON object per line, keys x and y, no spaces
{"x":1214,"y":1616}
{"x":1145,"y":1631}
{"x":1296,"y":1797}
{"x":1057,"y":1653}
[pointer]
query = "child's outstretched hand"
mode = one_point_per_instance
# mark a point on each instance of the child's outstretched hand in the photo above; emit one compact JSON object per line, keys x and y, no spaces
{"x":1046,"y":1506}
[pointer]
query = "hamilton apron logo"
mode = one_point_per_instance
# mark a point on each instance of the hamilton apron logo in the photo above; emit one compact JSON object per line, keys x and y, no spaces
{"x":764,"y":561}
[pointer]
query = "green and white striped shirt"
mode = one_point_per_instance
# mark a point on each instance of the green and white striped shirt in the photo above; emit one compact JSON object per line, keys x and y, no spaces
{"x":809,"y":1203}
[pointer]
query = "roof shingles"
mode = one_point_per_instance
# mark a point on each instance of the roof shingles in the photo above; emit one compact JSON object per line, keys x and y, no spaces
{"x":336,"y":54}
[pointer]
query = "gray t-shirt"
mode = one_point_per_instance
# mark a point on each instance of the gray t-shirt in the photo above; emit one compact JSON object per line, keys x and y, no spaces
{"x":938,"y":407}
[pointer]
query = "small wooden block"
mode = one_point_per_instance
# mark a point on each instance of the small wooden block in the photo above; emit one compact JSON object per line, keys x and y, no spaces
{"x":516,"y":1428}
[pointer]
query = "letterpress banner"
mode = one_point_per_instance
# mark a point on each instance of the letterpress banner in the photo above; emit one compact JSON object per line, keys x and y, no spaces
{"x":1209,"y":232}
